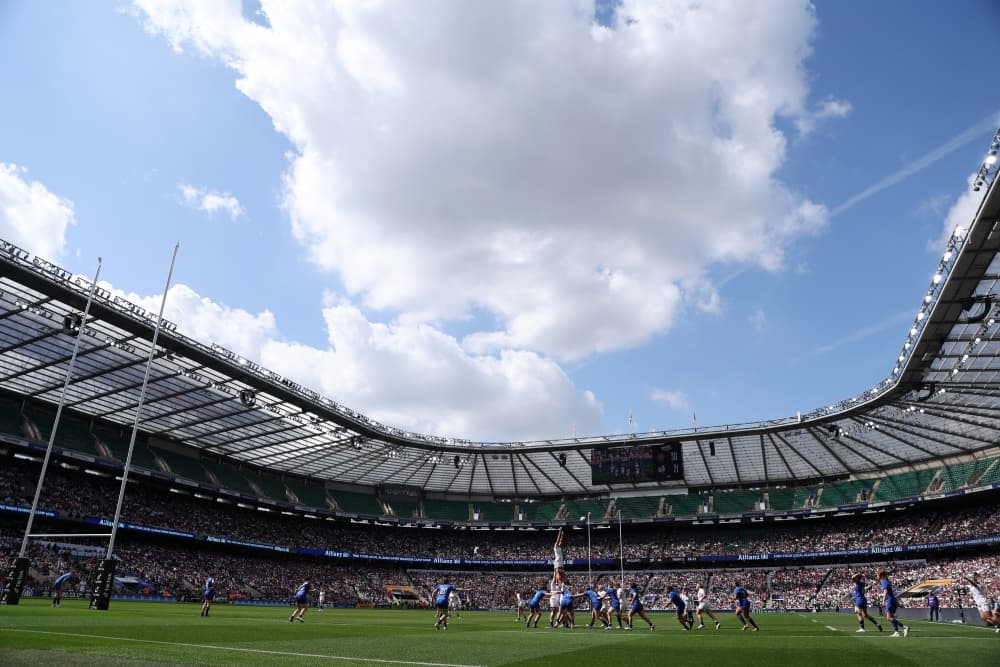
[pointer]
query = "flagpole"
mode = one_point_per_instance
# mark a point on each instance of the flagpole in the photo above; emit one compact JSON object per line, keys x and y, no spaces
{"x":138,"y":409}
{"x":62,"y":400}
{"x":590,"y":578}
{"x":621,"y":547}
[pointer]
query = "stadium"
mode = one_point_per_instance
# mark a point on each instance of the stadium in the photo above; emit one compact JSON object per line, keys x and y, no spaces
{"x":239,"y":474}
{"x":426,"y":259}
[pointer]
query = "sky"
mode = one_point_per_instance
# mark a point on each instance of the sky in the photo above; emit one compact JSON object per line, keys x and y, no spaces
{"x":510,"y":220}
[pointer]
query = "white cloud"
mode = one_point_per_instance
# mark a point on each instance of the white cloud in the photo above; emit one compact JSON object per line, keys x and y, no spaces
{"x":408,"y":375}
{"x":676,"y":400}
{"x":210,"y":201}
{"x":827,"y":109}
{"x":961,"y":214}
{"x":32,"y":217}
{"x":758,"y":320}
{"x":515,"y":158}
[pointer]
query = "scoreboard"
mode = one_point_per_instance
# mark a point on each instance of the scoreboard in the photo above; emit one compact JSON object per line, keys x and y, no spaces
{"x":637,"y":463}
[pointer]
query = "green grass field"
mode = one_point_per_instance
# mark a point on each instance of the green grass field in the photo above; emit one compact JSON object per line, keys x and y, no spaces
{"x":33,"y":633}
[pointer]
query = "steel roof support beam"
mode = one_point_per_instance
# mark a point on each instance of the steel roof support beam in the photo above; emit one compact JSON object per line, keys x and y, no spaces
{"x":788,"y":468}
{"x":803,"y":458}
{"x":908,"y":429}
{"x":230,"y":429}
{"x":179,"y":411}
{"x":832,"y":453}
{"x":165,"y":397}
{"x":568,"y":471}
{"x":96,"y":374}
{"x":732,"y":455}
{"x":17,"y":311}
{"x":857,"y":440}
{"x":30,"y":341}
{"x":763,"y":458}
{"x":240,"y":438}
{"x":544,"y":474}
{"x":120,"y":390}
{"x":489,"y":480}
{"x":891,"y":434}
{"x":472,"y":474}
{"x":704,"y":461}
{"x":321,"y":448}
{"x":53,"y":362}
{"x":359,"y":454}
{"x":949,"y":415}
{"x":527,"y":474}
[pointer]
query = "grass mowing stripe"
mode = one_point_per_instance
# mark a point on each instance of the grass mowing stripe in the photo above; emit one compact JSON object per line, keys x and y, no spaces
{"x":242,"y":650}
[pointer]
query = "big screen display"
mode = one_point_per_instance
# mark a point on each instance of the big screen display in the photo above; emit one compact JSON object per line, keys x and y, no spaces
{"x":637,"y":463}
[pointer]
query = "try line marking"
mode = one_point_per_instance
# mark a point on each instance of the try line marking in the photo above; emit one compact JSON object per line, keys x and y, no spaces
{"x":243,"y":650}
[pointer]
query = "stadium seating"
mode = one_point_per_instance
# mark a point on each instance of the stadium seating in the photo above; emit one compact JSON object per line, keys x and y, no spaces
{"x":449,"y":510}
{"x":142,"y":456}
{"x":358,"y":503}
{"x":992,"y":473}
{"x":183,"y":466}
{"x":11,"y":419}
{"x":580,"y":508}
{"x":782,"y":499}
{"x":843,"y":494}
{"x":735,"y":503}
{"x":638,"y":507}
{"x":498,"y":512}
{"x":271,"y":488}
{"x":540,"y":512}
{"x":73,"y":433}
{"x":308,"y":495}
{"x":406,"y":509}
{"x":685,"y":505}
{"x":904,"y":485}
{"x":229,"y":478}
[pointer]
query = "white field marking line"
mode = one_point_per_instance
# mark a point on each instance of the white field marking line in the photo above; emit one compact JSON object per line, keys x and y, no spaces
{"x":243,"y":650}
{"x":830,"y":627}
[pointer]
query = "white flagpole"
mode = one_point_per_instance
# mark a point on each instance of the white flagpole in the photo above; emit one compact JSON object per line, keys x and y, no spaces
{"x":621,"y":547}
{"x":62,"y":400}
{"x":590,"y":578}
{"x":138,"y":409}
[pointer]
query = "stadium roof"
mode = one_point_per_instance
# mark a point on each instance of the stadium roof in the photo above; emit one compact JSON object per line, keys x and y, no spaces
{"x":941,"y":399}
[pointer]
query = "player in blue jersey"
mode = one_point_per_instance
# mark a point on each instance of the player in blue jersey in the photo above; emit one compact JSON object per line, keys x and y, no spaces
{"x":861,"y":604}
{"x":535,"y":605}
{"x":742,"y":600}
{"x":615,"y":604}
{"x":440,"y":596}
{"x":207,"y":595}
{"x":890,"y":604}
{"x":635,"y":606}
{"x":301,"y":602}
{"x":596,"y":608}
{"x":62,"y":582}
{"x":674,"y":598}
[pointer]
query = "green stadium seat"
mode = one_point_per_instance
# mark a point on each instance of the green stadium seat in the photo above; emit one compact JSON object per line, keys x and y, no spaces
{"x":229,"y":478}
{"x":184,"y":466}
{"x":308,"y":495}
{"x":357,"y":503}
{"x":449,"y":510}
{"x":638,"y":507}
{"x":270,"y":487}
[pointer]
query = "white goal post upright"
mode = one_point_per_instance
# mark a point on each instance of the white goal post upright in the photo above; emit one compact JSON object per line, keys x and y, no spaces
{"x":62,"y":401}
{"x":621,"y":549}
{"x":17,"y":573}
{"x":104,"y":582}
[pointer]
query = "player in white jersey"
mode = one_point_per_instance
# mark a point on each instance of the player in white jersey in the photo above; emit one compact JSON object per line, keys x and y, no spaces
{"x":322,"y":600}
{"x":558,"y":564}
{"x":454,"y":605}
{"x":705,"y":607}
{"x":688,"y":607}
{"x":982,"y":604}
{"x":519,"y":606}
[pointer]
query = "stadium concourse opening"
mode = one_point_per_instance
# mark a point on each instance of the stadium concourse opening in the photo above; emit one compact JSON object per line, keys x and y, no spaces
{"x":237,"y":486}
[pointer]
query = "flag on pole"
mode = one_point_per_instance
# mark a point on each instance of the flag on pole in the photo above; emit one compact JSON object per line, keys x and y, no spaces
{"x":694,"y":419}
{"x":630,"y":420}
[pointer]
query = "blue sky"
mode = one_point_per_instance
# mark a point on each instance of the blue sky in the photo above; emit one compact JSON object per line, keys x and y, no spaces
{"x":104,"y":114}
